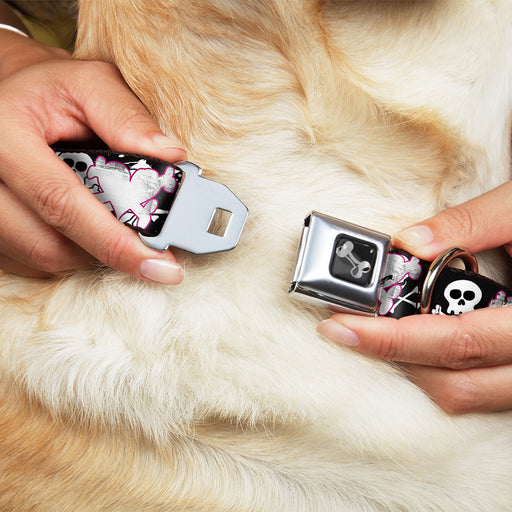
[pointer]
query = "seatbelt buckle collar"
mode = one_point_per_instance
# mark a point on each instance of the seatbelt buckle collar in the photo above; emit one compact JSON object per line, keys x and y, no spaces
{"x":351,"y":269}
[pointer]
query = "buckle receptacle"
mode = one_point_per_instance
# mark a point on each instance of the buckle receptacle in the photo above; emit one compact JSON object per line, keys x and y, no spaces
{"x":339,"y":265}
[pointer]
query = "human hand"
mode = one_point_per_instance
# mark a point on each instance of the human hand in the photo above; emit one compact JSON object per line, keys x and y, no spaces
{"x":463,"y":362}
{"x":50,"y":222}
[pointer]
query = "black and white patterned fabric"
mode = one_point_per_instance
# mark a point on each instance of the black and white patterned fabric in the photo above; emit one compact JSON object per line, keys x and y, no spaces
{"x":455,"y":291}
{"x":138,"y":190}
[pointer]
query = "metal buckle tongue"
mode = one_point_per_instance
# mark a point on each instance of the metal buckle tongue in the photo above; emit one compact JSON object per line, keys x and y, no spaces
{"x":188,"y":223}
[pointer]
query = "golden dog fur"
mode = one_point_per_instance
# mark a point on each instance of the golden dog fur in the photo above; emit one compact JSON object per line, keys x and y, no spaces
{"x":218,"y":395}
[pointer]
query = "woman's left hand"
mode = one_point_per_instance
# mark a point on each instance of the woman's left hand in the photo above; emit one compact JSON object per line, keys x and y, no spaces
{"x":463,"y":362}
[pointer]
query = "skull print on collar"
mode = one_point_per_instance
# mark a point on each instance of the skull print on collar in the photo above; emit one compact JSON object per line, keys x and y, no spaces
{"x":168,"y":204}
{"x":352,"y":269}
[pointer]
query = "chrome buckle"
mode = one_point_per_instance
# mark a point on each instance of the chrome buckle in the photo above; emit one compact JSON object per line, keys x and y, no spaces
{"x":188,"y":222}
{"x":339,"y":265}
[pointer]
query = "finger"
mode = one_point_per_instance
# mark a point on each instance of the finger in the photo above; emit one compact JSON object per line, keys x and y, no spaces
{"x":475,"y":225}
{"x":70,"y":97}
{"x":463,"y":391}
{"x":15,"y":267}
{"x":30,"y":243}
{"x":474,"y":339}
{"x":119,"y":118}
{"x":61,"y":201}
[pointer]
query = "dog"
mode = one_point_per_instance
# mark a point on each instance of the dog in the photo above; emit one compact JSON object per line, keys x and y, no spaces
{"x":218,"y":394}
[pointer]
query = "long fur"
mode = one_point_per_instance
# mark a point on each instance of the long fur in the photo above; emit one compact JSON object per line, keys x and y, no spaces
{"x":217,"y":394}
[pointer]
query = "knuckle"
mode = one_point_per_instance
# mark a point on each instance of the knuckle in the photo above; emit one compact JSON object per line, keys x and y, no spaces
{"x":460,"y":394}
{"x":42,"y":257}
{"x":132,"y":117}
{"x":465,"y":348}
{"x":53,"y":205}
{"x":460,"y":219}
{"x":115,"y":251}
{"x":389,"y":347}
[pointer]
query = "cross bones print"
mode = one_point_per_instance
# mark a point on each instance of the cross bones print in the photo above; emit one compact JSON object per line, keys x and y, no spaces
{"x":128,"y":191}
{"x":501,"y":299}
{"x":398,"y":270}
{"x":346,"y":250}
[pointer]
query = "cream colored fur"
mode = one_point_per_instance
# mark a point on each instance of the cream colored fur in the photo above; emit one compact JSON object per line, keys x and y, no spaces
{"x":218,"y":395}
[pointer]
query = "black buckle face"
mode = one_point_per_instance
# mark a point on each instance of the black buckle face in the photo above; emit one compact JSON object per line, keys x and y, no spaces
{"x":353,"y":260}
{"x":339,"y":265}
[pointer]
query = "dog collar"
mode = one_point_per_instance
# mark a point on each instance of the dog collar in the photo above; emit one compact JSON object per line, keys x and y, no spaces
{"x":168,"y":204}
{"x":356,"y":270}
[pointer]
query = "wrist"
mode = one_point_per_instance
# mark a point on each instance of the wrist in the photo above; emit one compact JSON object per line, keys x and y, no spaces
{"x":18,"y":52}
{"x":12,"y":28}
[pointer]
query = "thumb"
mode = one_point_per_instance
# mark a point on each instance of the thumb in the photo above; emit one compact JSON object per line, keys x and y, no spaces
{"x":119,"y":118}
{"x":479,"y":224}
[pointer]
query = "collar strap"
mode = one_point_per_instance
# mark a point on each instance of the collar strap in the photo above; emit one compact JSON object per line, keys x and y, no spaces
{"x":356,"y":270}
{"x":168,"y":204}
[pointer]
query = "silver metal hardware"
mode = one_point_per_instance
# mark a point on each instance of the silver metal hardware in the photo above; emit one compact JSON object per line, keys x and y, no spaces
{"x":339,"y":265}
{"x":187,"y":224}
{"x":437,"y":266}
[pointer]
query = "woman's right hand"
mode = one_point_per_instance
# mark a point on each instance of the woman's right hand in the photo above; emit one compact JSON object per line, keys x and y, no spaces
{"x":51,"y":223}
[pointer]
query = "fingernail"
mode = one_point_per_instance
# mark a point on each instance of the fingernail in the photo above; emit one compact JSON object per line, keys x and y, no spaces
{"x":161,"y":271}
{"x":338,"y":333}
{"x":164,"y":143}
{"x":416,"y":236}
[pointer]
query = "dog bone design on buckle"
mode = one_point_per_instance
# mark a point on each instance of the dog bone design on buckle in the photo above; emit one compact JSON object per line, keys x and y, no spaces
{"x":352,"y":269}
{"x":169,"y":204}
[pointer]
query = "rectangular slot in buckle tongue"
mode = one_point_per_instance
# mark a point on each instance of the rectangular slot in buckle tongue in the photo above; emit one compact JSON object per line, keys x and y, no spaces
{"x":205,"y":217}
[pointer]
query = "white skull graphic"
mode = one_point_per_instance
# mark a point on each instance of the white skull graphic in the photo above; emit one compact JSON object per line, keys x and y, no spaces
{"x":79,"y":162}
{"x":462,"y":296}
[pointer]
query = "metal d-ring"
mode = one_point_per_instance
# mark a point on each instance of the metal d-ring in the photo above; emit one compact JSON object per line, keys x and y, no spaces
{"x":437,"y":266}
